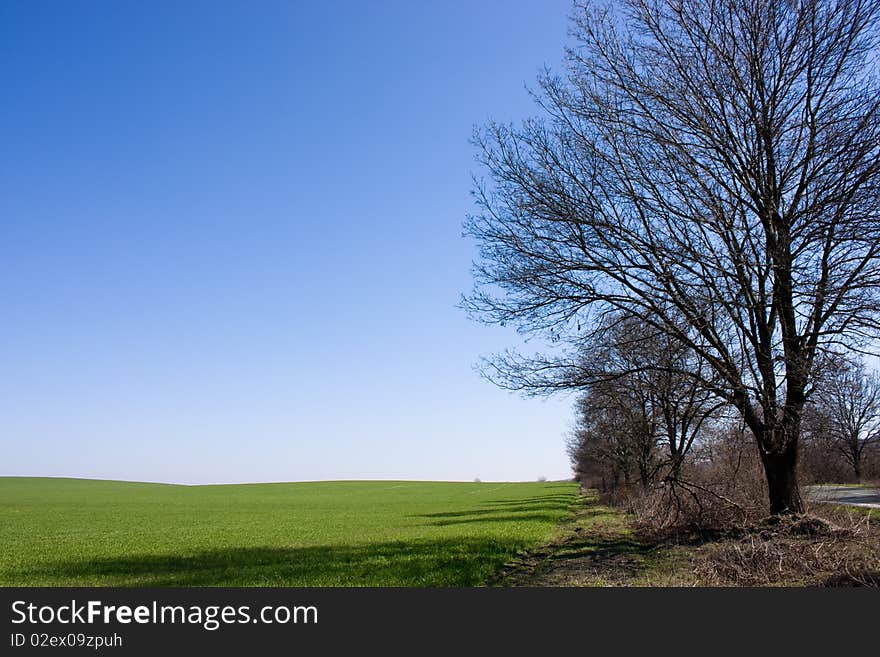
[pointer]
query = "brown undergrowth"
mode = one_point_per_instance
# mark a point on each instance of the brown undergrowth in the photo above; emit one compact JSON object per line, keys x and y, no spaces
{"x":837,"y":548}
{"x":601,"y":545}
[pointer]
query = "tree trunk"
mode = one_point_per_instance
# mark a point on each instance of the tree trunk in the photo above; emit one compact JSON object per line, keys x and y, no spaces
{"x":644,"y":477}
{"x":780,"y":467}
{"x":675,"y":467}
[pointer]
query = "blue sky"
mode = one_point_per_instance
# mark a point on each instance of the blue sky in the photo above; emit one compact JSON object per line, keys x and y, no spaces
{"x":231,"y":240}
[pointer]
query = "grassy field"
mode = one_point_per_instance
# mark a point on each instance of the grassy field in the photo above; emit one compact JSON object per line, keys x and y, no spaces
{"x":70,"y":532}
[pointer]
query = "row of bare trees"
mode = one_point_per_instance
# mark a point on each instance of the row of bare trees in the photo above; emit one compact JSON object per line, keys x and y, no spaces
{"x":640,"y":410}
{"x":638,"y":424}
{"x":707,"y":171}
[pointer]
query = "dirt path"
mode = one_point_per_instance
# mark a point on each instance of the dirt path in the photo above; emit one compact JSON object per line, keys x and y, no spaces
{"x":593,"y":548}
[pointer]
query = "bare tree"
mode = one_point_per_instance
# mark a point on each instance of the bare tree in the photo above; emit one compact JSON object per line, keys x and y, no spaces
{"x":672,"y":377}
{"x":711,"y":168}
{"x":615,"y":437}
{"x":846,"y":416}
{"x":629,"y":359}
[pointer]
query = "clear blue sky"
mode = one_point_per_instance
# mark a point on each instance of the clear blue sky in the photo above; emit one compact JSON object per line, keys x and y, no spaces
{"x":231,"y":240}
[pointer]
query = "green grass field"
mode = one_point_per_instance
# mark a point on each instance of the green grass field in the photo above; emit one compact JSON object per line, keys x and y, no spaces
{"x":69,"y":532}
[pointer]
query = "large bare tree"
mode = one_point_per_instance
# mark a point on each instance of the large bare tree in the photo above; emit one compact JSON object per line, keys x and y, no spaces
{"x":710,"y":168}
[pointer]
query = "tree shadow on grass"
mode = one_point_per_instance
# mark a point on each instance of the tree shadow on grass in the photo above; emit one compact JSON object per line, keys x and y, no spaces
{"x":548,"y":509}
{"x":564,"y":500}
{"x":444,"y":562}
{"x":531,"y":516}
{"x":503,"y":512}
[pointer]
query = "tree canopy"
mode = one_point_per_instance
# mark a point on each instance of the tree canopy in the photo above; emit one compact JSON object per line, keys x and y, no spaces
{"x":710,"y":168}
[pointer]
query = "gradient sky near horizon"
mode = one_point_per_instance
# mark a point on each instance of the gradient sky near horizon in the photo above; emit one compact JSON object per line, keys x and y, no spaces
{"x":231,"y":240}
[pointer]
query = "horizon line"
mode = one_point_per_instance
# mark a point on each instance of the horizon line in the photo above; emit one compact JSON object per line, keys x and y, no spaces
{"x":298,"y":481}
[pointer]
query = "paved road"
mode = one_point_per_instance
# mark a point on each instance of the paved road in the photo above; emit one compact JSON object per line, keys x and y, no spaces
{"x":848,"y":495}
